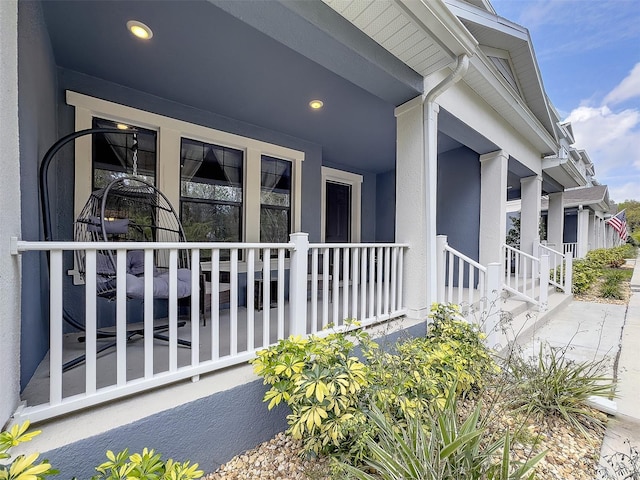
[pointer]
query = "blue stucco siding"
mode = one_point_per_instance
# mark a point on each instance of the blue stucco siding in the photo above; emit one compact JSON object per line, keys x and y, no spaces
{"x":459,"y":201}
{"x":386,"y":206}
{"x":37,"y":130}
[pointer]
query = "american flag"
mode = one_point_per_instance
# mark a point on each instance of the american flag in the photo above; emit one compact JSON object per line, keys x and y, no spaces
{"x":619,"y":223}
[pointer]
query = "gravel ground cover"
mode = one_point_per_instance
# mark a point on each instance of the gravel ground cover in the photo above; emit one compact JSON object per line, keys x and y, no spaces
{"x":571,"y":454}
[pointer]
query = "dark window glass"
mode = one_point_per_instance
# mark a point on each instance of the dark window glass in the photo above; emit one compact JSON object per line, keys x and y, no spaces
{"x":211,"y":192}
{"x":275,"y":200}
{"x":114,"y":155}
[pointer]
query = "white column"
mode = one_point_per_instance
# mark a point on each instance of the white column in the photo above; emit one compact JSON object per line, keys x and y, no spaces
{"x":592,"y":242}
{"x":531,"y":193}
{"x":493,"y":206}
{"x":10,"y":213}
{"x":555,"y":221}
{"x":411,"y":206}
{"x":583,"y":232}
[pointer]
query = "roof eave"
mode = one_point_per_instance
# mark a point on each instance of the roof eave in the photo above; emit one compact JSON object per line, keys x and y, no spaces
{"x":563,"y":171}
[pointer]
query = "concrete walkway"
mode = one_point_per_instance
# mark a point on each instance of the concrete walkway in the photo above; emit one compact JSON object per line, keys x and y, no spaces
{"x":595,"y":331}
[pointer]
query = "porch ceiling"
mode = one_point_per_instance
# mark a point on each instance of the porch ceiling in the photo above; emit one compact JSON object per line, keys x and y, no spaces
{"x":210,"y":55}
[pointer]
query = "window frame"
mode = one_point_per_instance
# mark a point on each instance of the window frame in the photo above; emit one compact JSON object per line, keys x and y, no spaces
{"x":354,"y":180}
{"x":170,"y":131}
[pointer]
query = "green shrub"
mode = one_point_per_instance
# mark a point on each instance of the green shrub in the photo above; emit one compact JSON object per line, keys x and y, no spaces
{"x":442,"y":447}
{"x":607,"y":257}
{"x":584,"y":275}
{"x":328,"y":389}
{"x":553,"y":384}
{"x":321,"y":381}
{"x":147,"y":465}
{"x":23,"y":467}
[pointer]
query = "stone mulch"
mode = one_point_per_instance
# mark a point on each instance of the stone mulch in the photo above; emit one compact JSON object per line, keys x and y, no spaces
{"x":592,"y":295}
{"x":571,"y":454}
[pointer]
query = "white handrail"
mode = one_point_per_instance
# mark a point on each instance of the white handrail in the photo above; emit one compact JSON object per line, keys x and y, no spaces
{"x":526,"y":276}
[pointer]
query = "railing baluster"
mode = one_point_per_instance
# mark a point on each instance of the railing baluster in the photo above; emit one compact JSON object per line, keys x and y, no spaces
{"x":251,"y":265}
{"x":336,"y":284}
{"x":91,"y":327}
{"x":55,"y":319}
{"x":148,"y":313}
{"x":215,"y":303}
{"x":400,"y":276}
{"x":363,"y":284}
{"x":450,"y":266}
{"x":195,"y":307}
{"x":266,"y":295}
{"x":471,"y":286}
{"x":314,"y":290}
{"x":345,"y":285}
{"x":394,"y":278}
{"x":387,"y":278}
{"x":121,"y":318}
{"x":372,"y":281}
{"x":379,"y":283}
{"x":354,"y":281}
{"x":233,"y":307}
{"x":460,"y":281}
{"x":173,"y":310}
{"x":281,"y":293}
{"x":326,"y":272}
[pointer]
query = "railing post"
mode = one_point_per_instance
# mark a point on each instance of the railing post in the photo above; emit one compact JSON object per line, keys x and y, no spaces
{"x":298,"y":284}
{"x":441,"y":262}
{"x":544,"y":281}
{"x":568,"y":273}
{"x":491,"y":317}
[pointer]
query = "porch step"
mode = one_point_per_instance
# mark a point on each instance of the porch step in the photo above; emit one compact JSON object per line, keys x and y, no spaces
{"x":523,"y":320}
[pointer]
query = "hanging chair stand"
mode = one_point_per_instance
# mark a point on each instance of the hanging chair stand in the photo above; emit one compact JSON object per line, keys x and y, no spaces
{"x":98,"y":230}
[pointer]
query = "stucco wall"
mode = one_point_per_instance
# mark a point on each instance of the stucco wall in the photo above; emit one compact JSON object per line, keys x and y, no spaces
{"x":386,"y":206}
{"x":459,"y":199}
{"x":37,"y":104}
{"x":10,"y":211}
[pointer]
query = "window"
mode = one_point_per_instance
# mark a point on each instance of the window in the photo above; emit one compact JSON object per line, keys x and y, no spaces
{"x":116,"y":154}
{"x":227,"y":187}
{"x":211,"y":192}
{"x":275,"y":200}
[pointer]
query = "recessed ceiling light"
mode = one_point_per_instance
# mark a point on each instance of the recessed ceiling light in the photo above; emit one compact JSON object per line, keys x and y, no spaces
{"x":139,"y":29}
{"x":122,"y":126}
{"x":316,"y":104}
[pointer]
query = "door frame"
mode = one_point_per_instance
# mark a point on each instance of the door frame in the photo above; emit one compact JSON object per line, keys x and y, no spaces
{"x":354,"y":180}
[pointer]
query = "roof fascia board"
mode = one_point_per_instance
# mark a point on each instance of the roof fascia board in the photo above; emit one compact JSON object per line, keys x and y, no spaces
{"x":448,"y":29}
{"x":482,"y":17}
{"x":482,"y":64}
{"x":568,"y":167}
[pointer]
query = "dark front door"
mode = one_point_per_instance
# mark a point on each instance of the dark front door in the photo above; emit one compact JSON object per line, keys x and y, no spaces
{"x":338,"y":213}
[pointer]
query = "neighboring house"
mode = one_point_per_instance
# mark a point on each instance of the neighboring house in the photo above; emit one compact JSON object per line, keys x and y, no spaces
{"x":434,"y":113}
{"x":584,"y":208}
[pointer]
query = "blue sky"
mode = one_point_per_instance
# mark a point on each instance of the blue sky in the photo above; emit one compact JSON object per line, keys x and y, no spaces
{"x":588,"y":52}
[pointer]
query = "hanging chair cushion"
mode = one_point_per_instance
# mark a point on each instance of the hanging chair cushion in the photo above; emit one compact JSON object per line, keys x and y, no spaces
{"x":135,"y":284}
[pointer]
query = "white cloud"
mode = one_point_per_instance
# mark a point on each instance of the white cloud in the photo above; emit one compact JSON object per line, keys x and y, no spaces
{"x":627,"y":89}
{"x":612,"y":140}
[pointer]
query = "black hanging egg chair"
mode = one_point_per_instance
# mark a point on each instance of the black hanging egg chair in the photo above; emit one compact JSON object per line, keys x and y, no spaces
{"x":128,"y":209}
{"x":131,"y":209}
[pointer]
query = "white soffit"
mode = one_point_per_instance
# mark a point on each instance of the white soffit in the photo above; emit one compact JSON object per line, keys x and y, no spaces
{"x":391,"y":25}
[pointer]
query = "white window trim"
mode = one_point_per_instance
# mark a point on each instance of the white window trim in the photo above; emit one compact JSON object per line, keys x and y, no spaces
{"x":332,"y":175}
{"x":170,"y":131}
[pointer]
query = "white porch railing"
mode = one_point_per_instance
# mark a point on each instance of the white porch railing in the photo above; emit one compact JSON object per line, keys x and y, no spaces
{"x":571,"y":247}
{"x":561,"y":266}
{"x":360,"y":281}
{"x":461,"y":280}
{"x":526,"y":276}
